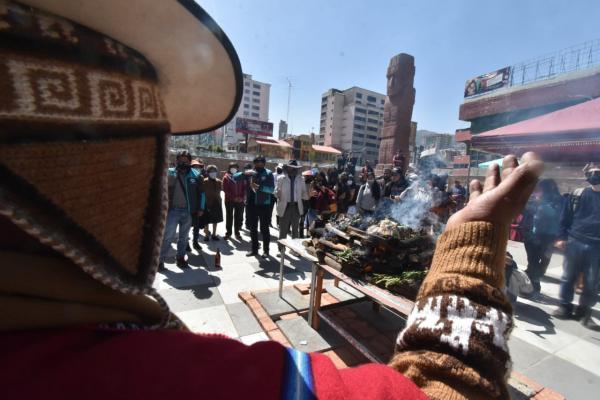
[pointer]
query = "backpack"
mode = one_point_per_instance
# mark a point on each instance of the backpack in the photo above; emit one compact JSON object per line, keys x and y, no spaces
{"x":546,"y":220}
{"x":574,"y":199}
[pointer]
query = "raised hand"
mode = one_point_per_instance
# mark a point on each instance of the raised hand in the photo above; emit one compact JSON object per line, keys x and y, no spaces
{"x":502,"y":197}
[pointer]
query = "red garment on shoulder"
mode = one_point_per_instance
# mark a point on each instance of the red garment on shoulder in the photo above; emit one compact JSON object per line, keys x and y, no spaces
{"x":114,"y":364}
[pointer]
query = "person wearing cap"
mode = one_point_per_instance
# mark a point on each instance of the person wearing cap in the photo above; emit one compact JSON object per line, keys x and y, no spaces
{"x":397,"y":184}
{"x":186,"y":199}
{"x":258,"y":204}
{"x":290,"y":192}
{"x":79,"y":315}
{"x":579,"y":237}
{"x":214,"y":211}
{"x":197,"y":220}
{"x":235,"y":193}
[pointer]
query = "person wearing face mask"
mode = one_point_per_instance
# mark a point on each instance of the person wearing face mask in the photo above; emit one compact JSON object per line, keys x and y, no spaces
{"x":580,"y":239}
{"x":235,"y":193}
{"x":344,"y":193}
{"x":197,"y":222}
{"x":214,"y":212}
{"x":368,"y":195}
{"x":290,"y":191}
{"x":258,"y":201}
{"x":186,"y":199}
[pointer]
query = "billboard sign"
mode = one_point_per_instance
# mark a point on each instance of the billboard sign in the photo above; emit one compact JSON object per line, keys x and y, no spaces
{"x":487,"y":82}
{"x":253,"y":127}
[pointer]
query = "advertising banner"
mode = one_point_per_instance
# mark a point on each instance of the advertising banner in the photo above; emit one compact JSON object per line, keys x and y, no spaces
{"x":253,"y":127}
{"x":487,"y":82}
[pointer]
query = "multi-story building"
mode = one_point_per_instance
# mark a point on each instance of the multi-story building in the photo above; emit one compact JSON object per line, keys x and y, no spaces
{"x":439,"y":141}
{"x":255,"y":105}
{"x":283,"y":129}
{"x":351,"y":121}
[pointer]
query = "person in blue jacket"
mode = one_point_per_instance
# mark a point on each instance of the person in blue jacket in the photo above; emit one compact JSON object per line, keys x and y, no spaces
{"x":258,"y":203}
{"x":186,"y":198}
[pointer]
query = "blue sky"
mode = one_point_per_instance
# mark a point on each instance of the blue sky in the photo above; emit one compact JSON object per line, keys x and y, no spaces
{"x":343,"y":43}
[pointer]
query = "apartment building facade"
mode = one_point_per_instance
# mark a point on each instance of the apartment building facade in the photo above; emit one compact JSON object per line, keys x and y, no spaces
{"x":352,"y":121}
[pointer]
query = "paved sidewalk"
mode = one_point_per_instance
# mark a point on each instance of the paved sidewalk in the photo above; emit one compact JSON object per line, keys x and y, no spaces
{"x":559,"y":354}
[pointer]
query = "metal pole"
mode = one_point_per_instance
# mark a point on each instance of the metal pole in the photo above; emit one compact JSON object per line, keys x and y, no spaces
{"x":281,"y":264}
{"x":313,"y":293}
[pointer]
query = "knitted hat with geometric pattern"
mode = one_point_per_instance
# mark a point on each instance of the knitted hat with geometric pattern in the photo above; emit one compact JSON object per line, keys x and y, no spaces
{"x":89,"y":93}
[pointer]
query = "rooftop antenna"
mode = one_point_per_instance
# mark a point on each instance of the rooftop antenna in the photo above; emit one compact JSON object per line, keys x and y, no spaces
{"x":287,"y":117}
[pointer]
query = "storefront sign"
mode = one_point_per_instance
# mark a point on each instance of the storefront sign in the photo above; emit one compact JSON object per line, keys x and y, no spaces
{"x":253,"y":127}
{"x":488,"y":82}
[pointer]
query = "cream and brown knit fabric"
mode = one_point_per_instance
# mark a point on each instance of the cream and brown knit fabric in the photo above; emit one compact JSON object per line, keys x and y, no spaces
{"x":454,"y":345}
{"x":83,"y":146}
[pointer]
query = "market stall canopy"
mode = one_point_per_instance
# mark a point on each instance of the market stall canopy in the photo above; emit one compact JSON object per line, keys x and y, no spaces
{"x":325,"y":149}
{"x":572,"y":133}
{"x":278,"y":143}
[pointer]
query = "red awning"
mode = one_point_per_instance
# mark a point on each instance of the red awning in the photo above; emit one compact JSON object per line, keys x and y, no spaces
{"x":570,"y":133}
{"x":578,"y":118}
{"x":325,"y":149}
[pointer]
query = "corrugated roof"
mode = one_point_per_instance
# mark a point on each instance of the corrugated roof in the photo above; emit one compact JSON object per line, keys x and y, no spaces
{"x":326,"y":149}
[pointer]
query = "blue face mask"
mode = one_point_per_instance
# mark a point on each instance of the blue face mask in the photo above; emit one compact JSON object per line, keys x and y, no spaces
{"x":315,"y":171}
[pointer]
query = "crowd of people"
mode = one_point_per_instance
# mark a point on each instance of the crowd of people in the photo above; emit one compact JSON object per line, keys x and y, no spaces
{"x":549,"y":222}
{"x":253,"y":192}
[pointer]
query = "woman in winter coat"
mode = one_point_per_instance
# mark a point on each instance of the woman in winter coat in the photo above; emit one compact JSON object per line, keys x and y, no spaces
{"x":214,"y":211}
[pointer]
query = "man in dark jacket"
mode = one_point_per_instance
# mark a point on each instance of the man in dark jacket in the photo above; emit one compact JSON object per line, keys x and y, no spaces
{"x":258,"y":203}
{"x":186,"y":198}
{"x":580,"y":238}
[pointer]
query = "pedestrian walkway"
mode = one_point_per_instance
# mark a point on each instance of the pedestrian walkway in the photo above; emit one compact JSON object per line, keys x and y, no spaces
{"x":562,"y":355}
{"x":207,"y":299}
{"x":558,"y":354}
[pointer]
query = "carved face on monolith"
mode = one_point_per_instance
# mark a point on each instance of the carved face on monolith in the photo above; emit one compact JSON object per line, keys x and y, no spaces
{"x":398,"y":108}
{"x":400,"y":73}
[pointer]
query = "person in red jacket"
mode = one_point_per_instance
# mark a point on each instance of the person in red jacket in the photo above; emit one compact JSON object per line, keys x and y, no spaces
{"x":235,"y":197}
{"x":79,"y":317}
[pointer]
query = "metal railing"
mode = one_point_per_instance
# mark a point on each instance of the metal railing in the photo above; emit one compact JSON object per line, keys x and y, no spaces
{"x":575,"y":58}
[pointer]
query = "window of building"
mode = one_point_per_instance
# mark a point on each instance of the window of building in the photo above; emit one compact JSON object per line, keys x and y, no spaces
{"x":246,"y":113}
{"x":255,"y":115}
{"x":255,"y":100}
{"x":371,"y":99}
{"x":359,"y":127}
{"x":246,"y":83}
{"x":256,"y":86}
{"x":246,"y":98}
{"x":357,"y":118}
{"x":360,"y":110}
{"x":246,"y":105}
{"x":382,"y":101}
{"x":359,"y":135}
{"x":373,"y":121}
{"x":247,"y":91}
{"x":371,"y":136}
{"x":256,"y":108}
{"x":371,"y":128}
{"x":324,"y":99}
{"x":255,"y":93}
{"x":356,"y":142}
{"x":359,"y":95}
{"x":370,"y":144}
{"x":371,"y":112}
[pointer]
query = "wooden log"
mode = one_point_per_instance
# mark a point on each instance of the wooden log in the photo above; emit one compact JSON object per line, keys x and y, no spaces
{"x":335,"y":246}
{"x":338,"y":232}
{"x":332,"y":263}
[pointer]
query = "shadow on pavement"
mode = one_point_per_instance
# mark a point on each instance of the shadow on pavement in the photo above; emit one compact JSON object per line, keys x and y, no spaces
{"x":535,"y":316}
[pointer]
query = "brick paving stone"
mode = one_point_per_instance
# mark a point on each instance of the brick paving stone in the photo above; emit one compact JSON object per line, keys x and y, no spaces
{"x":335,"y":358}
{"x":278,"y":336}
{"x":548,"y":394}
{"x":289,"y":316}
{"x":245,"y":296}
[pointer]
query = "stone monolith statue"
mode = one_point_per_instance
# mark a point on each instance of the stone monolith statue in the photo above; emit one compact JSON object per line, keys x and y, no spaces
{"x":398,"y":108}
